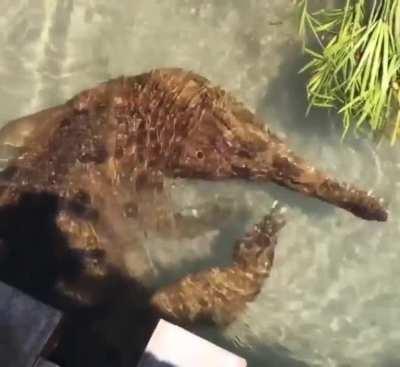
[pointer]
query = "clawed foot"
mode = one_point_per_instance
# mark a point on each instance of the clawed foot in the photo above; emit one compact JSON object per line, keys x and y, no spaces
{"x":219,"y":294}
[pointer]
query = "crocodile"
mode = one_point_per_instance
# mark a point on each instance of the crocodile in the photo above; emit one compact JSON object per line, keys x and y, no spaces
{"x":104,"y":155}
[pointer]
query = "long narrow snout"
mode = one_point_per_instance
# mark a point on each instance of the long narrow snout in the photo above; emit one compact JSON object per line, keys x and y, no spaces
{"x":275,"y":162}
{"x":293,"y":172}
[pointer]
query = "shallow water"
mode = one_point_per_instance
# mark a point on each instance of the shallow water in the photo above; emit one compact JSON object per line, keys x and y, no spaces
{"x":333,"y":297}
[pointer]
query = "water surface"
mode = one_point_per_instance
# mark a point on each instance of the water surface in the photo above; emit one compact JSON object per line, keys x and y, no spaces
{"x":333,"y":297}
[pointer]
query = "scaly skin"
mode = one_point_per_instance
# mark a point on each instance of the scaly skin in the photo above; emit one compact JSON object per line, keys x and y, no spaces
{"x":219,"y":294}
{"x":105,"y":153}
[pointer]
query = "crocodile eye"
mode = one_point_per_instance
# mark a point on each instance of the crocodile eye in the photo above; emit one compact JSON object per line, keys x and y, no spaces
{"x":200,"y":155}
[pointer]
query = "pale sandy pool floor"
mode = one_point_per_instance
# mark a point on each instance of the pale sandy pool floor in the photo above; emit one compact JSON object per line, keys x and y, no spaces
{"x":333,"y":298}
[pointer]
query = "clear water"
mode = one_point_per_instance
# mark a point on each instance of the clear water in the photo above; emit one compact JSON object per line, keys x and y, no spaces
{"x":333,"y":298}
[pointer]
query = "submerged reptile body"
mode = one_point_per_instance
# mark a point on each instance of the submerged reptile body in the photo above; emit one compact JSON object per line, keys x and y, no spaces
{"x":103,"y":158}
{"x":166,"y":123}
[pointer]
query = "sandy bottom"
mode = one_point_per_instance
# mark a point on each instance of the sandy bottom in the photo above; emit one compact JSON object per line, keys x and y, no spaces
{"x":333,"y":298}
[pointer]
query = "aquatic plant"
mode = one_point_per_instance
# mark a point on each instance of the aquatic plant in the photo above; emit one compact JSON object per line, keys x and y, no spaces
{"x":355,"y":63}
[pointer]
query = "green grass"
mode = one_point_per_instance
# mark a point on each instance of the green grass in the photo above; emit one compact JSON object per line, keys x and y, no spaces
{"x":355,"y":66}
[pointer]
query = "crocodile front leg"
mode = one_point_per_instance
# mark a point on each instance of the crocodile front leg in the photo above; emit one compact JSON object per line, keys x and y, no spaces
{"x":219,"y":294}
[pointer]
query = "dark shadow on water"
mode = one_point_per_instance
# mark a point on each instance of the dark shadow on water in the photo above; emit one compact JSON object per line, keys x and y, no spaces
{"x":114,"y":330}
{"x":36,"y":251}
